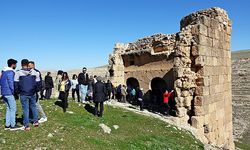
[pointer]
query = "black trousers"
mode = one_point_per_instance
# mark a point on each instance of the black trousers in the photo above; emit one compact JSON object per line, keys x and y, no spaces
{"x":48,"y":93}
{"x":64,"y":97}
{"x":109,"y":94}
{"x":77,"y":94}
{"x":41,"y":94}
{"x":101,"y":108}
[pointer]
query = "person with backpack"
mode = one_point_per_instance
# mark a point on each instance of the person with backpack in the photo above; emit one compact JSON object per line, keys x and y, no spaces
{"x":64,"y":87}
{"x":7,"y":91}
{"x":166,"y":97}
{"x":49,"y":85}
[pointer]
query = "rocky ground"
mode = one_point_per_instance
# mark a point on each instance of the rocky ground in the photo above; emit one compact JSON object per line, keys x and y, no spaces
{"x":241,"y":95}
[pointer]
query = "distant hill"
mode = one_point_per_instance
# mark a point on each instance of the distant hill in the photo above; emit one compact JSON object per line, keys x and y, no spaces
{"x":241,"y":54}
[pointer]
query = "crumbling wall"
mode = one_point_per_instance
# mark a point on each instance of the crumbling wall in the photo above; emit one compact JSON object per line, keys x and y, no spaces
{"x":200,"y":59}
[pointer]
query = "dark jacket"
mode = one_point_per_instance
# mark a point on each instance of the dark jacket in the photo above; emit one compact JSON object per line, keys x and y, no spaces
{"x":83,"y":79}
{"x":49,"y":82}
{"x":7,"y":82}
{"x":27,"y":82}
{"x":109,"y":87}
{"x":99,"y":92}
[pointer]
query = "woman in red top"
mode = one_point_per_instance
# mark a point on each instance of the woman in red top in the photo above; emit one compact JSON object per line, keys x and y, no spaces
{"x":166,"y":96}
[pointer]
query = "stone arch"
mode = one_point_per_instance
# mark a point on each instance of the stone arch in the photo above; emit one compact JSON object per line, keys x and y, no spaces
{"x":132,"y":82}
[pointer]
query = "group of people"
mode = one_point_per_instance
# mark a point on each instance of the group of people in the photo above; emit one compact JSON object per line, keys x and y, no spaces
{"x":24,"y":83}
{"x":27,"y":83}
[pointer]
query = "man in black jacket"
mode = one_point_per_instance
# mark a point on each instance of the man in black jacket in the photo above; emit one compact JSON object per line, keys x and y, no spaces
{"x":100,"y":93}
{"x":83,"y":80}
{"x":49,"y":85}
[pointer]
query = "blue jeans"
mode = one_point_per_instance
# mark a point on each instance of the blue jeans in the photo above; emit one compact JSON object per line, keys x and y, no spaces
{"x":83,"y":91}
{"x":10,"y":110}
{"x":29,"y":101}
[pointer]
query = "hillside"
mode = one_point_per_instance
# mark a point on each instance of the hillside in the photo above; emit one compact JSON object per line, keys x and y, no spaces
{"x":79,"y":129}
{"x":241,"y":94}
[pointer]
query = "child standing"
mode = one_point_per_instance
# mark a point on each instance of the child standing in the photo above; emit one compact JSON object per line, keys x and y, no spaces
{"x":166,"y":96}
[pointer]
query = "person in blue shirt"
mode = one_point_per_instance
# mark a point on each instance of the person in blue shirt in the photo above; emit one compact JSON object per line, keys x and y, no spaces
{"x":7,"y":91}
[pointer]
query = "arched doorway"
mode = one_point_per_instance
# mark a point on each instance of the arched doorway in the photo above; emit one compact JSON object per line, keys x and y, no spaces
{"x":132,"y":85}
{"x":158,"y":87}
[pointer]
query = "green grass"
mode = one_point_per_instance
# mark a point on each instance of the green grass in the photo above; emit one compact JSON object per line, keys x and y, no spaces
{"x":81,"y":131}
{"x":242,"y":146}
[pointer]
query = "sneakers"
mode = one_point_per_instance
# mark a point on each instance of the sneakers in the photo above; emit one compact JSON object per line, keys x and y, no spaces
{"x":16,"y":127}
{"x":36,"y":124}
{"x":42,"y":120}
{"x":26,"y":128}
{"x":6,"y":128}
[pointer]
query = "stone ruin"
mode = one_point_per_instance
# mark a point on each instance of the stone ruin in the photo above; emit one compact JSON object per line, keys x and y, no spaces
{"x":195,"y":62}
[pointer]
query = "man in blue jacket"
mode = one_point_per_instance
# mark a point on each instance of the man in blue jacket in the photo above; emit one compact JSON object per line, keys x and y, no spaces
{"x":7,"y":91}
{"x":27,"y":85}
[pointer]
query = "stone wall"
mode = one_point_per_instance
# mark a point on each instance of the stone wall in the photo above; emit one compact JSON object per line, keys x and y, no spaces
{"x":200,"y":59}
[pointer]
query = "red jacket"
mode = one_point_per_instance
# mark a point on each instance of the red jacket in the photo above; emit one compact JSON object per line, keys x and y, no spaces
{"x":166,"y":96}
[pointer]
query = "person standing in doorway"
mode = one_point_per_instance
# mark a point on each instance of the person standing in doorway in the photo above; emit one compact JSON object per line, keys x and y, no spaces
{"x":27,"y":82}
{"x":7,"y":91}
{"x":64,"y":87}
{"x":166,"y":97}
{"x":140,"y":98}
{"x":75,"y":88}
{"x":38,"y":105}
{"x":83,"y":80}
{"x":99,"y":96}
{"x":49,"y":85}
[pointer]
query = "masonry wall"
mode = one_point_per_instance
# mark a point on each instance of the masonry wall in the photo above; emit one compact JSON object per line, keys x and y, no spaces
{"x":145,"y":69}
{"x":200,"y":67}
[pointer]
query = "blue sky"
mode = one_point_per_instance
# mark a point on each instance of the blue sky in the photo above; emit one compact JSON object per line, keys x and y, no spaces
{"x":70,"y":34}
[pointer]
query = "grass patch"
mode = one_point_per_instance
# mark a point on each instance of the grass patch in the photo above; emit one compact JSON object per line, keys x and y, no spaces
{"x":81,"y":130}
{"x":242,"y":146}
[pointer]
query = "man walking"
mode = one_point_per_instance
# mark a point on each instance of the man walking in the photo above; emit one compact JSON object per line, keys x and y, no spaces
{"x":83,"y":80}
{"x":26,"y":84}
{"x":7,"y":91}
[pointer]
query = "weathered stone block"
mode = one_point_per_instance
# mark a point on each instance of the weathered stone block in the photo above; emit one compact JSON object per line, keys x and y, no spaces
{"x":181,"y":112}
{"x":197,"y":121}
{"x":198,"y":110}
{"x":187,"y":101}
{"x":179,"y":101}
{"x":198,"y":101}
{"x":185,"y":93}
{"x":200,"y":61}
